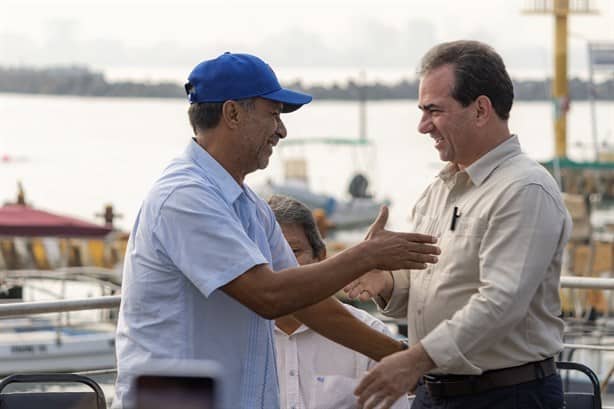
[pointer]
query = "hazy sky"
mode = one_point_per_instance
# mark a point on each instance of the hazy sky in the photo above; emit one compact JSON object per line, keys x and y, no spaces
{"x":317,"y":40}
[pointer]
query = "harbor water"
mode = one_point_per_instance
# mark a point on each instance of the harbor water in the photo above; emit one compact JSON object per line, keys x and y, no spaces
{"x":75,"y":154}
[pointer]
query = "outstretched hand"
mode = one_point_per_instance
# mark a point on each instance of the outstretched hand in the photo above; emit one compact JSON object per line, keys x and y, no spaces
{"x":369,"y":285}
{"x":394,"y":376}
{"x":379,"y":223}
{"x":394,"y":250}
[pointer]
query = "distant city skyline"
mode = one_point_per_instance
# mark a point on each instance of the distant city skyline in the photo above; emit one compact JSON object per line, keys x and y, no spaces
{"x":318,"y":42}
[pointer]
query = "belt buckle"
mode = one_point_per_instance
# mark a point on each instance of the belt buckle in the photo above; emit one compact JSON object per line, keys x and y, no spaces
{"x":433,"y":385}
{"x":442,"y":388}
{"x":430,"y":379}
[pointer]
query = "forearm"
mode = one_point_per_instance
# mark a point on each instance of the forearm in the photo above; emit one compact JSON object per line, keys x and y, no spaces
{"x":299,"y":287}
{"x":420,"y":358}
{"x":332,"y":320}
{"x":275,"y":294}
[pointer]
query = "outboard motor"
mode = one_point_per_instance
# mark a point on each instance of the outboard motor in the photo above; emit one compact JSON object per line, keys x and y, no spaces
{"x":358,"y":186}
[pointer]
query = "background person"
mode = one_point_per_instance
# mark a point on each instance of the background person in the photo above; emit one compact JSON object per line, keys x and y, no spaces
{"x":305,"y":359}
{"x":484,"y":322}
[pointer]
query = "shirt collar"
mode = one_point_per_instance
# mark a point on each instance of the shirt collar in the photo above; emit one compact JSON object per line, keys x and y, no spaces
{"x":479,"y":170}
{"x":448,"y":172}
{"x":215,"y":172}
{"x":299,"y":330}
{"x":249,"y":193}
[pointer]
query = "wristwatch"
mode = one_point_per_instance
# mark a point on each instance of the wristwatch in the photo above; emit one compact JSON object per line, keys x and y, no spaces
{"x":404,"y":344}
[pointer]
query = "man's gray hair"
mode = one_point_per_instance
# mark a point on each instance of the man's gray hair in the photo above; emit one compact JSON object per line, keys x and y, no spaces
{"x":290,"y":211}
{"x":207,"y":115}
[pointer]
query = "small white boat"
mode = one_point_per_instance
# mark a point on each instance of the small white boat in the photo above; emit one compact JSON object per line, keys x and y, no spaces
{"x":39,"y":345}
{"x":358,"y":211}
{"x":58,"y":342}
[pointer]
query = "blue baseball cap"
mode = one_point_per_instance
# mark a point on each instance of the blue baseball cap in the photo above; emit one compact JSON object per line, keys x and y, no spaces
{"x":239,"y":76}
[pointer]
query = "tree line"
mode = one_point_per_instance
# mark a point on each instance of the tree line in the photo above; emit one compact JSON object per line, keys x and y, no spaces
{"x":82,"y":81}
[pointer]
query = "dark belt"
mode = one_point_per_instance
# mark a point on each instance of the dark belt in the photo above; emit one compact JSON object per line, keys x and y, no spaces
{"x":445,"y":386}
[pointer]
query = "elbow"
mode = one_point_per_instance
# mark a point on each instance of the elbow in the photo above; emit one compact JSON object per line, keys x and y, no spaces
{"x":271,"y":305}
{"x":268,"y":312}
{"x":263,"y":292}
{"x":271,"y":315}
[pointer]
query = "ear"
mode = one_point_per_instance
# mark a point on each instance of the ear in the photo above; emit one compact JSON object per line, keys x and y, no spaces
{"x":232,"y":114}
{"x":483,"y":110}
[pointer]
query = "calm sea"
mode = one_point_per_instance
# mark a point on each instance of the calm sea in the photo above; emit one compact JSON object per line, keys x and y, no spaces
{"x":74,"y":154}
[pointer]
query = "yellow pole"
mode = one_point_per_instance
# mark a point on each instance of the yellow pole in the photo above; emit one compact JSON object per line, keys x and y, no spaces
{"x":560,"y":91}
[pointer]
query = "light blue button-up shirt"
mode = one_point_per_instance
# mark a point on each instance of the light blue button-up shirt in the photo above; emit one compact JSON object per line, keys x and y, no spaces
{"x":196,"y":231}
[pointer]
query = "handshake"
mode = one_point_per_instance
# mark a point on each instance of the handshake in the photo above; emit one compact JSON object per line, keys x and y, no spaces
{"x":390,"y":251}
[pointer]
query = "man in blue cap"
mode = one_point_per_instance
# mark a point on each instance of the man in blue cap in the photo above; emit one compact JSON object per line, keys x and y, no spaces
{"x":207,"y":266}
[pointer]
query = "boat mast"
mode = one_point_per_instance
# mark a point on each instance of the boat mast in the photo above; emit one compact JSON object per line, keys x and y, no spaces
{"x":362,"y":113}
{"x":560,"y":9}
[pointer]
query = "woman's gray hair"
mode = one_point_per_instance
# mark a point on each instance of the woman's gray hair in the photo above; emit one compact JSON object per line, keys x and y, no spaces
{"x":290,"y":211}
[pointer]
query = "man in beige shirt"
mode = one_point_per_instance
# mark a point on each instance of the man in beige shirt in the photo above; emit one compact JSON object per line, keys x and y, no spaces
{"x":484,"y":322}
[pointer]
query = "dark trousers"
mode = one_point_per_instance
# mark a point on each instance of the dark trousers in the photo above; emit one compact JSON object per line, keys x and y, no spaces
{"x":546,"y":393}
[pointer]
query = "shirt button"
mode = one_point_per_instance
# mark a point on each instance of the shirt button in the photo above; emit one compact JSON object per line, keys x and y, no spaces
{"x":419,"y":311}
{"x":292,"y":372}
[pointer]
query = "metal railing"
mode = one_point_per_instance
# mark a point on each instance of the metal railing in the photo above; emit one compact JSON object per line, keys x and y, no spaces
{"x":43,"y":307}
{"x":113,"y":301}
{"x":591,"y":283}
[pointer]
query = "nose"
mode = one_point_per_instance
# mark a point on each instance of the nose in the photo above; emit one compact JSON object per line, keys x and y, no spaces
{"x":281,"y":129}
{"x":425,"y":125}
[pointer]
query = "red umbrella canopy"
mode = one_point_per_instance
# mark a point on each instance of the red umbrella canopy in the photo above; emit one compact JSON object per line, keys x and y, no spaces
{"x":23,"y":220}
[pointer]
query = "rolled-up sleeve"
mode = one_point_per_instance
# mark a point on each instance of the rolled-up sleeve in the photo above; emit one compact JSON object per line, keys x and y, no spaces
{"x":396,"y":307}
{"x":524,"y":231}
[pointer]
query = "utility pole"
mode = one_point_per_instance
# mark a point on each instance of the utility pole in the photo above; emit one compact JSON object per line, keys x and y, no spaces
{"x":560,"y":9}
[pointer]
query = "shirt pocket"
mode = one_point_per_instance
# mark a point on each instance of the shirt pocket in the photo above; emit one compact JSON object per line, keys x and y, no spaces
{"x":469,"y":227}
{"x":460,"y":258}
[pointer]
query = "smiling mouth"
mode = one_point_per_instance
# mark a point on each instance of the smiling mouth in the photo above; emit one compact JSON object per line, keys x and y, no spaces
{"x":437,"y":139}
{"x":271,"y":146}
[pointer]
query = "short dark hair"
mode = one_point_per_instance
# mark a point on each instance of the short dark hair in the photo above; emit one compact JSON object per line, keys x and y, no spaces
{"x":290,"y":211}
{"x":207,"y":115}
{"x":478,"y":70}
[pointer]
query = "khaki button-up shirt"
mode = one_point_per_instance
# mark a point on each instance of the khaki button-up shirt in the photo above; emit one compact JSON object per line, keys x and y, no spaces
{"x":492,"y":300}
